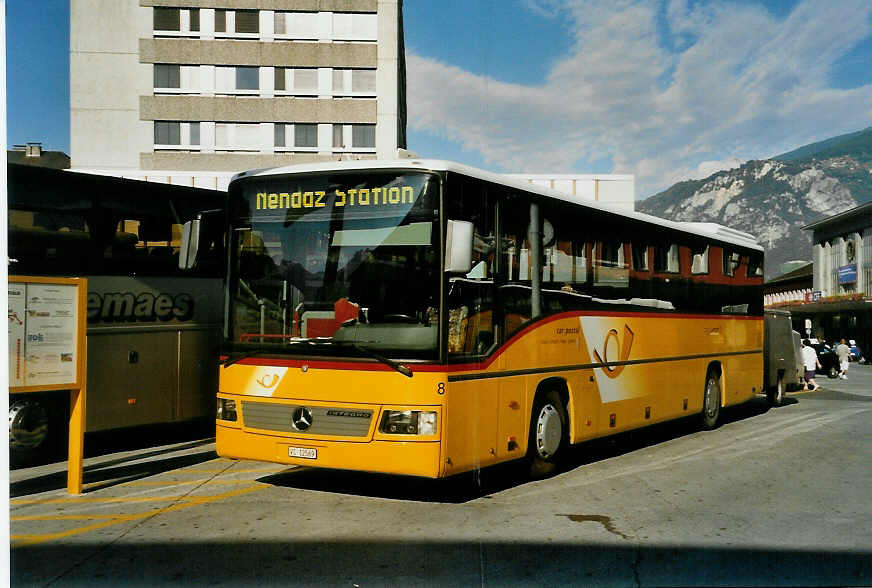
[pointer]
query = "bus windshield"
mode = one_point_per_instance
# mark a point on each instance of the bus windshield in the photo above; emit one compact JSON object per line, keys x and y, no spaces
{"x":338,"y":264}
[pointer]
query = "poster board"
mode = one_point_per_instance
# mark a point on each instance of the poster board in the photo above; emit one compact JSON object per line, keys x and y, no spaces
{"x":48,"y":348}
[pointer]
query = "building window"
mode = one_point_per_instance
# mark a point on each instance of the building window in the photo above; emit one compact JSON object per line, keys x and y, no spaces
{"x":358,"y":81}
{"x":167,"y":19}
{"x":247,"y":21}
{"x":167,"y":133}
{"x":296,"y":25}
{"x":306,"y":80}
{"x":338,"y":136}
{"x":363,"y":136}
{"x":355,"y":26}
{"x":279,"y":23}
{"x":300,"y":135}
{"x":220,"y":21}
{"x":175,"y":135}
{"x":247,"y":78}
{"x":363,"y":80}
{"x":296,"y":81}
{"x":167,"y":76}
{"x":237,"y":136}
{"x":195,"y":19}
{"x":305,"y":135}
{"x":338,"y":80}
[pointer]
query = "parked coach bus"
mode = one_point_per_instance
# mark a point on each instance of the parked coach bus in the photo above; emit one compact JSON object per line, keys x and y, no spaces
{"x":427,"y":318}
{"x":153,"y":331}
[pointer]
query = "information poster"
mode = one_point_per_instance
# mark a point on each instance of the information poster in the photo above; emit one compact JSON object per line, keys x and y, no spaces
{"x":16,"y":334}
{"x":42,"y":334}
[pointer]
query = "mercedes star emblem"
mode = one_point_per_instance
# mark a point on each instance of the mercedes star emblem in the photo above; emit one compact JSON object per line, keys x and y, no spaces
{"x":302,"y":418}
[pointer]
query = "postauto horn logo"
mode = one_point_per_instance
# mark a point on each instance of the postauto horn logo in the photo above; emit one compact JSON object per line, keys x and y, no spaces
{"x":117,"y":307}
{"x":623,"y":348}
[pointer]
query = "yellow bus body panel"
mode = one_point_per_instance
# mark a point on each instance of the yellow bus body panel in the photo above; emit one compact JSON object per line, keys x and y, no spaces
{"x":619,"y":372}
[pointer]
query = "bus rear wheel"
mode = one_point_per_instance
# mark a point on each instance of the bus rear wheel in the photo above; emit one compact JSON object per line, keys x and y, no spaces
{"x":34,"y":434}
{"x":548,"y":434}
{"x":711,"y":401}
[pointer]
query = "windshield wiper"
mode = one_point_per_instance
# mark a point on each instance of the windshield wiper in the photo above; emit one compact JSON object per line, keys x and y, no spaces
{"x":405,"y":370}
{"x":231,"y":359}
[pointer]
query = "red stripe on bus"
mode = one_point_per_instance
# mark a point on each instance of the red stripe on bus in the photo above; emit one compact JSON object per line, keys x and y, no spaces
{"x":475,"y":366}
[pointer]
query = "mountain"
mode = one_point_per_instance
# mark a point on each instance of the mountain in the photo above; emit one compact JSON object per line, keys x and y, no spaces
{"x":856,"y":143}
{"x":774,"y":198}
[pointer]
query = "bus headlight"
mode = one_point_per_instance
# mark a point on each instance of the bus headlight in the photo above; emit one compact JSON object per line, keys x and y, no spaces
{"x":408,"y":422}
{"x":226,"y":410}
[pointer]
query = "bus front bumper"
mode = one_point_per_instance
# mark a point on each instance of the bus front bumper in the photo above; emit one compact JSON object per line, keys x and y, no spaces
{"x":410,"y":458}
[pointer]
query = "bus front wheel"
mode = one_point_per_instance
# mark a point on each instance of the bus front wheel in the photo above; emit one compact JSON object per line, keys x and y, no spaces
{"x":711,"y":402}
{"x":548,"y":434}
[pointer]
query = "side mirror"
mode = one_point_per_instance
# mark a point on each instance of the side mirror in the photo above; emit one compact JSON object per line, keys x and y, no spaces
{"x":458,"y":247}
{"x":190,"y":244}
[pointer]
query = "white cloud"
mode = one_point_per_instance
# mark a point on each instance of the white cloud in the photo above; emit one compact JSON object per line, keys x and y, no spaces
{"x":546,"y":8}
{"x":658,"y":89}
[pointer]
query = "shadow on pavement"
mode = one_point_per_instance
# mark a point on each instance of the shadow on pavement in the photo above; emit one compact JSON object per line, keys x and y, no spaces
{"x":491,"y":480}
{"x":133,"y":438}
{"x":302,"y":561}
{"x":454,"y":490}
{"x":823,"y":393}
{"x":129,"y":439}
{"x":103,"y":475}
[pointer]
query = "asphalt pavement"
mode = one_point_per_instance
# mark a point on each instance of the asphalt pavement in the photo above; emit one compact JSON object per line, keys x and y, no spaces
{"x":771,"y":497}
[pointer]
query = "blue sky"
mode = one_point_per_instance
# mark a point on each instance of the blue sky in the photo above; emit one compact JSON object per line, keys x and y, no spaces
{"x":663,"y":89}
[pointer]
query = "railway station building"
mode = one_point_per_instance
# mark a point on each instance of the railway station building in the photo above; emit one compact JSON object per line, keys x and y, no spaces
{"x":839,"y":304}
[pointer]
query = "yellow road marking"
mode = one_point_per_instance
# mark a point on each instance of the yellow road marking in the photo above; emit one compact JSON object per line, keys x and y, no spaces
{"x":85,"y":517}
{"x":19,"y":501}
{"x":225,"y":470}
{"x":186,"y":482}
{"x":186,"y":502}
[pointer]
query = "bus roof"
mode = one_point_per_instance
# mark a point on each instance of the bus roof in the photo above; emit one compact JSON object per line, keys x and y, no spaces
{"x":707,"y":230}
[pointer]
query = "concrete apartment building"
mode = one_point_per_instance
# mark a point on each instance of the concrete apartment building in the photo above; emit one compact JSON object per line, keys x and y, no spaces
{"x":212,"y":87}
{"x":190,"y":92}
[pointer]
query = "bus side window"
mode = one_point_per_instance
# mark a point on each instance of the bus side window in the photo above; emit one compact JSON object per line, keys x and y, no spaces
{"x":515,"y":292}
{"x":470,"y":317}
{"x":470,"y":301}
{"x":567,"y":259}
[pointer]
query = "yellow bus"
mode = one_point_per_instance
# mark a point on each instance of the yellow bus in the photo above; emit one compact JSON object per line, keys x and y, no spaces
{"x":426,"y":318}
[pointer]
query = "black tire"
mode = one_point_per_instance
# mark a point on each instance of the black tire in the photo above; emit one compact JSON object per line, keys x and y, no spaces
{"x":37,"y":429}
{"x":775,"y":395}
{"x":711,"y":401}
{"x":833,"y":372}
{"x":549,"y":434}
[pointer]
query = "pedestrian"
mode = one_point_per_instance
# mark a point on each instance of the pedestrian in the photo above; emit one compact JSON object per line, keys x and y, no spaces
{"x":844,"y":354}
{"x":811,"y":363}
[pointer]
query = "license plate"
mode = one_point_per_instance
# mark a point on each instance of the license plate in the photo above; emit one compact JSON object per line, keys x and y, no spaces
{"x":303,"y":452}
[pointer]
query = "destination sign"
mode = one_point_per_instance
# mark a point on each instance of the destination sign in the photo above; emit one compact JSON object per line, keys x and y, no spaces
{"x":385,"y":196}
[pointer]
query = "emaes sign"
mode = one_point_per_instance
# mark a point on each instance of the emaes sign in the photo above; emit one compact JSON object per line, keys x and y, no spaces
{"x":143,"y":307}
